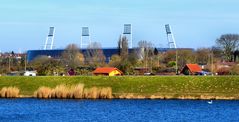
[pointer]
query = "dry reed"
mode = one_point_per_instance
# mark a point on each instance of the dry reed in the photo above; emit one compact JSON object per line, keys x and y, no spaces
{"x":94,"y":93}
{"x":61,"y":91}
{"x":105,"y":93}
{"x":97,"y":93}
{"x":3,"y":92}
{"x":76,"y":91}
{"x":9,"y":92}
{"x":91,"y":93}
{"x":86,"y":93}
{"x":43,"y":92}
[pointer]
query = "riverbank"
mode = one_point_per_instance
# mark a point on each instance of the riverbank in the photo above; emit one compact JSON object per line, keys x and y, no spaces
{"x":138,"y":87}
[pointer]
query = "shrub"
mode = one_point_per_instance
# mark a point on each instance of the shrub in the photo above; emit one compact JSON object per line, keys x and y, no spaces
{"x":234,"y":70}
{"x":223,"y":71}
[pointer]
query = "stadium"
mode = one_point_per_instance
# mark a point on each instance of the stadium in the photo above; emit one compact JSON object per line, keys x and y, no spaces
{"x":85,"y":41}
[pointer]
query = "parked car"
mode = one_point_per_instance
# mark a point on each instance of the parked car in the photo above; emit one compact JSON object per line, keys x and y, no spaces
{"x":14,"y":73}
{"x":30,"y":73}
{"x":148,"y":73}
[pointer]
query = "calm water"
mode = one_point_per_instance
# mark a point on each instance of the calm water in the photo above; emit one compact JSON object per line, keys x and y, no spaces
{"x":117,"y":110}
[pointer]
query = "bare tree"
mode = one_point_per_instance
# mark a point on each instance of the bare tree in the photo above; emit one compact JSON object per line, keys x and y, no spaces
{"x":203,"y":55}
{"x":115,"y":60}
{"x":123,"y":47}
{"x":186,"y":56}
{"x":229,"y":44}
{"x":94,"y":55}
{"x":72,"y":56}
{"x":146,"y":53}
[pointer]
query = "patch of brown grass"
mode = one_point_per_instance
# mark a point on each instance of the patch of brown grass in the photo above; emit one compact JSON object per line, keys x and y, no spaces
{"x":9,"y":92}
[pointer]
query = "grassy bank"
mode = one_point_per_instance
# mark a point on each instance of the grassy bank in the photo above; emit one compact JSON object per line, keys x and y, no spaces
{"x":183,"y":87}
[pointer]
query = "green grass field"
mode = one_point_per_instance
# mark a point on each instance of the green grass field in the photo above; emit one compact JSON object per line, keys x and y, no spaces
{"x":224,"y":86}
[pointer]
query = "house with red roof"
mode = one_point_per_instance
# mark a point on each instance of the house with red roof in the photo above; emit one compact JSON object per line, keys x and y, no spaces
{"x":107,"y":71}
{"x":191,"y":69}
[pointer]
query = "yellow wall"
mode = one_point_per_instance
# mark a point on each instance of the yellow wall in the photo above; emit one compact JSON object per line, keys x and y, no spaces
{"x":113,"y":73}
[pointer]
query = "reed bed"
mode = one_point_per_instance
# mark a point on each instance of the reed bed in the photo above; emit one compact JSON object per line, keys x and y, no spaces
{"x":74,"y":92}
{"x":105,"y":93}
{"x":91,"y":93}
{"x":61,"y":91}
{"x":9,"y":92}
{"x":98,"y":93}
{"x":43,"y":92}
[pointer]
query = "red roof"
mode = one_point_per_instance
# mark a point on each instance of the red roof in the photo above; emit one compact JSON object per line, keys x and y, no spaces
{"x":105,"y":70}
{"x":194,"y":67}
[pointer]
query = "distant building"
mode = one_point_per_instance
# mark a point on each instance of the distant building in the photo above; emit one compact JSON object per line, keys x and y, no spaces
{"x":107,"y":71}
{"x":191,"y":69}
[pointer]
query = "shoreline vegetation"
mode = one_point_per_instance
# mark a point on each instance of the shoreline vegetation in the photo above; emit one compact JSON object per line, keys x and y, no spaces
{"x":123,"y":87}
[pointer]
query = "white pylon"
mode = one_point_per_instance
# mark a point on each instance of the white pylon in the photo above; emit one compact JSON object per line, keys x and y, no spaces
{"x":50,"y":39}
{"x":170,"y":37}
{"x":85,"y":42}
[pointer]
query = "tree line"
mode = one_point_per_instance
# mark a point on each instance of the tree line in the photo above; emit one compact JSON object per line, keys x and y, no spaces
{"x":145,"y":57}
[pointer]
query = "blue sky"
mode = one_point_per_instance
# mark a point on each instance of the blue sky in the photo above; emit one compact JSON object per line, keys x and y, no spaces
{"x":24,"y":24}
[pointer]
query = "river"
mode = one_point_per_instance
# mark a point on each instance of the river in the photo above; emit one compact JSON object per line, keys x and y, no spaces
{"x":117,"y":110}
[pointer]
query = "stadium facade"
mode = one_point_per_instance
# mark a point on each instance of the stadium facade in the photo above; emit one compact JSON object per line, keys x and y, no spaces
{"x":108,"y":52}
{"x":56,"y":53}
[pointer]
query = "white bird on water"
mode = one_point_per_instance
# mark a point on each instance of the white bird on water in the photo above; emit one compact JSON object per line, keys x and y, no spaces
{"x":209,"y":102}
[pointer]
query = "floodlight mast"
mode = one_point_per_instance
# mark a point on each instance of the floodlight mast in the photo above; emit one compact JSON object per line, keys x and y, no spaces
{"x":172,"y":44}
{"x":85,"y":33}
{"x":50,"y":39}
{"x":45,"y":45}
{"x":52,"y":33}
{"x":128,"y":31}
{"x":170,"y":37}
{"x":131,"y":37}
